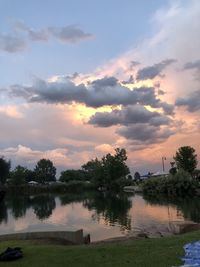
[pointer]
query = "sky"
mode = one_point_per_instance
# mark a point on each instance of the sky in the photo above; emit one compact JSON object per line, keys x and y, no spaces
{"x":81,"y":78}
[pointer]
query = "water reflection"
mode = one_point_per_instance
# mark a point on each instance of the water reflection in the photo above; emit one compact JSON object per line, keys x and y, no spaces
{"x":18,"y":205}
{"x":187,"y":207}
{"x":3,"y":212}
{"x":43,"y":205}
{"x":103,"y":215}
{"x":112,"y":207}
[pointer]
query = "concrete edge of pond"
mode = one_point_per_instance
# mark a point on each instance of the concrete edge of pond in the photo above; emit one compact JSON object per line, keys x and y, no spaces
{"x":65,"y":237}
{"x":176,"y":228}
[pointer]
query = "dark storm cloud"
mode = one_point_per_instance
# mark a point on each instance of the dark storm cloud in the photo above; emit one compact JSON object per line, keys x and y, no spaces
{"x":50,"y":92}
{"x":128,"y":115}
{"x":155,"y":70}
{"x":139,"y":125}
{"x":168,"y":108}
{"x":101,"y":92}
{"x":106,"y":81}
{"x":145,"y":133}
{"x":11,"y":43}
{"x":191,"y":102}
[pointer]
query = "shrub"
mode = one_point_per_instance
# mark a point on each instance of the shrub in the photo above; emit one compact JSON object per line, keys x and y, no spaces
{"x":174,"y":185}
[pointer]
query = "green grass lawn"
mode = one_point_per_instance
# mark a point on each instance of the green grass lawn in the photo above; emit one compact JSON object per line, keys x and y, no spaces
{"x":163,"y":252}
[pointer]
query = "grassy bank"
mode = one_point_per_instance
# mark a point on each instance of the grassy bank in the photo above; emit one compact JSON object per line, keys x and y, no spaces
{"x":164,"y":252}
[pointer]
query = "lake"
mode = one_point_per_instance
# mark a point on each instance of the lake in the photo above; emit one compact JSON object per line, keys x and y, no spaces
{"x":102,"y":215}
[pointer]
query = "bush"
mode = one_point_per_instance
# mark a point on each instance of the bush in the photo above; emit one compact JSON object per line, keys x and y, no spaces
{"x":179,"y":184}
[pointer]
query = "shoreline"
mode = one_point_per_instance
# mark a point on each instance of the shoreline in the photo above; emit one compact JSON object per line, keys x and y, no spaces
{"x":177,"y":228}
{"x":77,"y":237}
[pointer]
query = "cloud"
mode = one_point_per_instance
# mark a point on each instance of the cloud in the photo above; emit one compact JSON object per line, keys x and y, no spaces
{"x":66,"y":34}
{"x":191,"y":102}
{"x":69,"y":34}
{"x":129,"y":81}
{"x":101,"y":92}
{"x":192,"y":65}
{"x":195,"y":65}
{"x":40,"y":35}
{"x":106,"y":81}
{"x":18,"y":39}
{"x":11,"y":111}
{"x":153,"y":71}
{"x":139,"y":125}
{"x":128,"y":115}
{"x":145,"y":134}
{"x":26,"y":155}
{"x":12,"y":43}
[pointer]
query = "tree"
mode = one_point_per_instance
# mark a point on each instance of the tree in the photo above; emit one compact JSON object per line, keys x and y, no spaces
{"x":72,"y":175}
{"x":45,"y":171}
{"x":137,"y":176}
{"x":173,"y":169}
{"x":93,"y":170}
{"x":19,"y":175}
{"x":115,"y":169}
{"x":4,"y":169}
{"x":110,"y":172}
{"x":186,"y":159}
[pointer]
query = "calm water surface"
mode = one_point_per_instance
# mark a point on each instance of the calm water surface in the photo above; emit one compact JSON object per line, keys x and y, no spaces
{"x":101,"y":215}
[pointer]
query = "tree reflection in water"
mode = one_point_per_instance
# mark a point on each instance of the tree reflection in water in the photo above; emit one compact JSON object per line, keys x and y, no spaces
{"x":43,"y":206}
{"x":112,"y":208}
{"x":3,"y":212}
{"x":189,"y":207}
{"x":18,"y":205}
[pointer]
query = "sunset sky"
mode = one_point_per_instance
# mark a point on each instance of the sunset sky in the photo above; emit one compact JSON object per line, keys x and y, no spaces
{"x":81,"y":78}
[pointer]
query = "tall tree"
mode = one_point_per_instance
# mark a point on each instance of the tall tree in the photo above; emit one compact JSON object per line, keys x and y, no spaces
{"x":115,"y":169}
{"x":18,"y":175}
{"x":4,"y":170}
{"x":186,"y":159}
{"x":45,"y":171}
{"x":72,"y":175}
{"x":137,"y":176}
{"x":110,"y":172}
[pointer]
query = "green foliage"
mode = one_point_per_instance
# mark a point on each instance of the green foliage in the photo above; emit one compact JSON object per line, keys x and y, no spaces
{"x":180,"y":184}
{"x":196,"y":174}
{"x":186,"y":159}
{"x":77,"y":186}
{"x":4,"y":170}
{"x":173,"y":171}
{"x":18,"y":176}
{"x":72,"y":175}
{"x":93,"y":170}
{"x":30,"y":176}
{"x":137,"y":176}
{"x":110,"y":172}
{"x":45,"y":171}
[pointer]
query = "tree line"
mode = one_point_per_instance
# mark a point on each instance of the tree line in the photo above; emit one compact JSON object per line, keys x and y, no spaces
{"x":109,"y":172}
{"x":44,"y":171}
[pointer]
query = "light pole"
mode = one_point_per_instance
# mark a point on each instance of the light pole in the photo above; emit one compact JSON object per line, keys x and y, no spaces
{"x":163,"y":163}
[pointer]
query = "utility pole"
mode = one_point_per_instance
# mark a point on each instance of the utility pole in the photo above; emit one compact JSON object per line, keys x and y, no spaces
{"x":163,"y":163}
